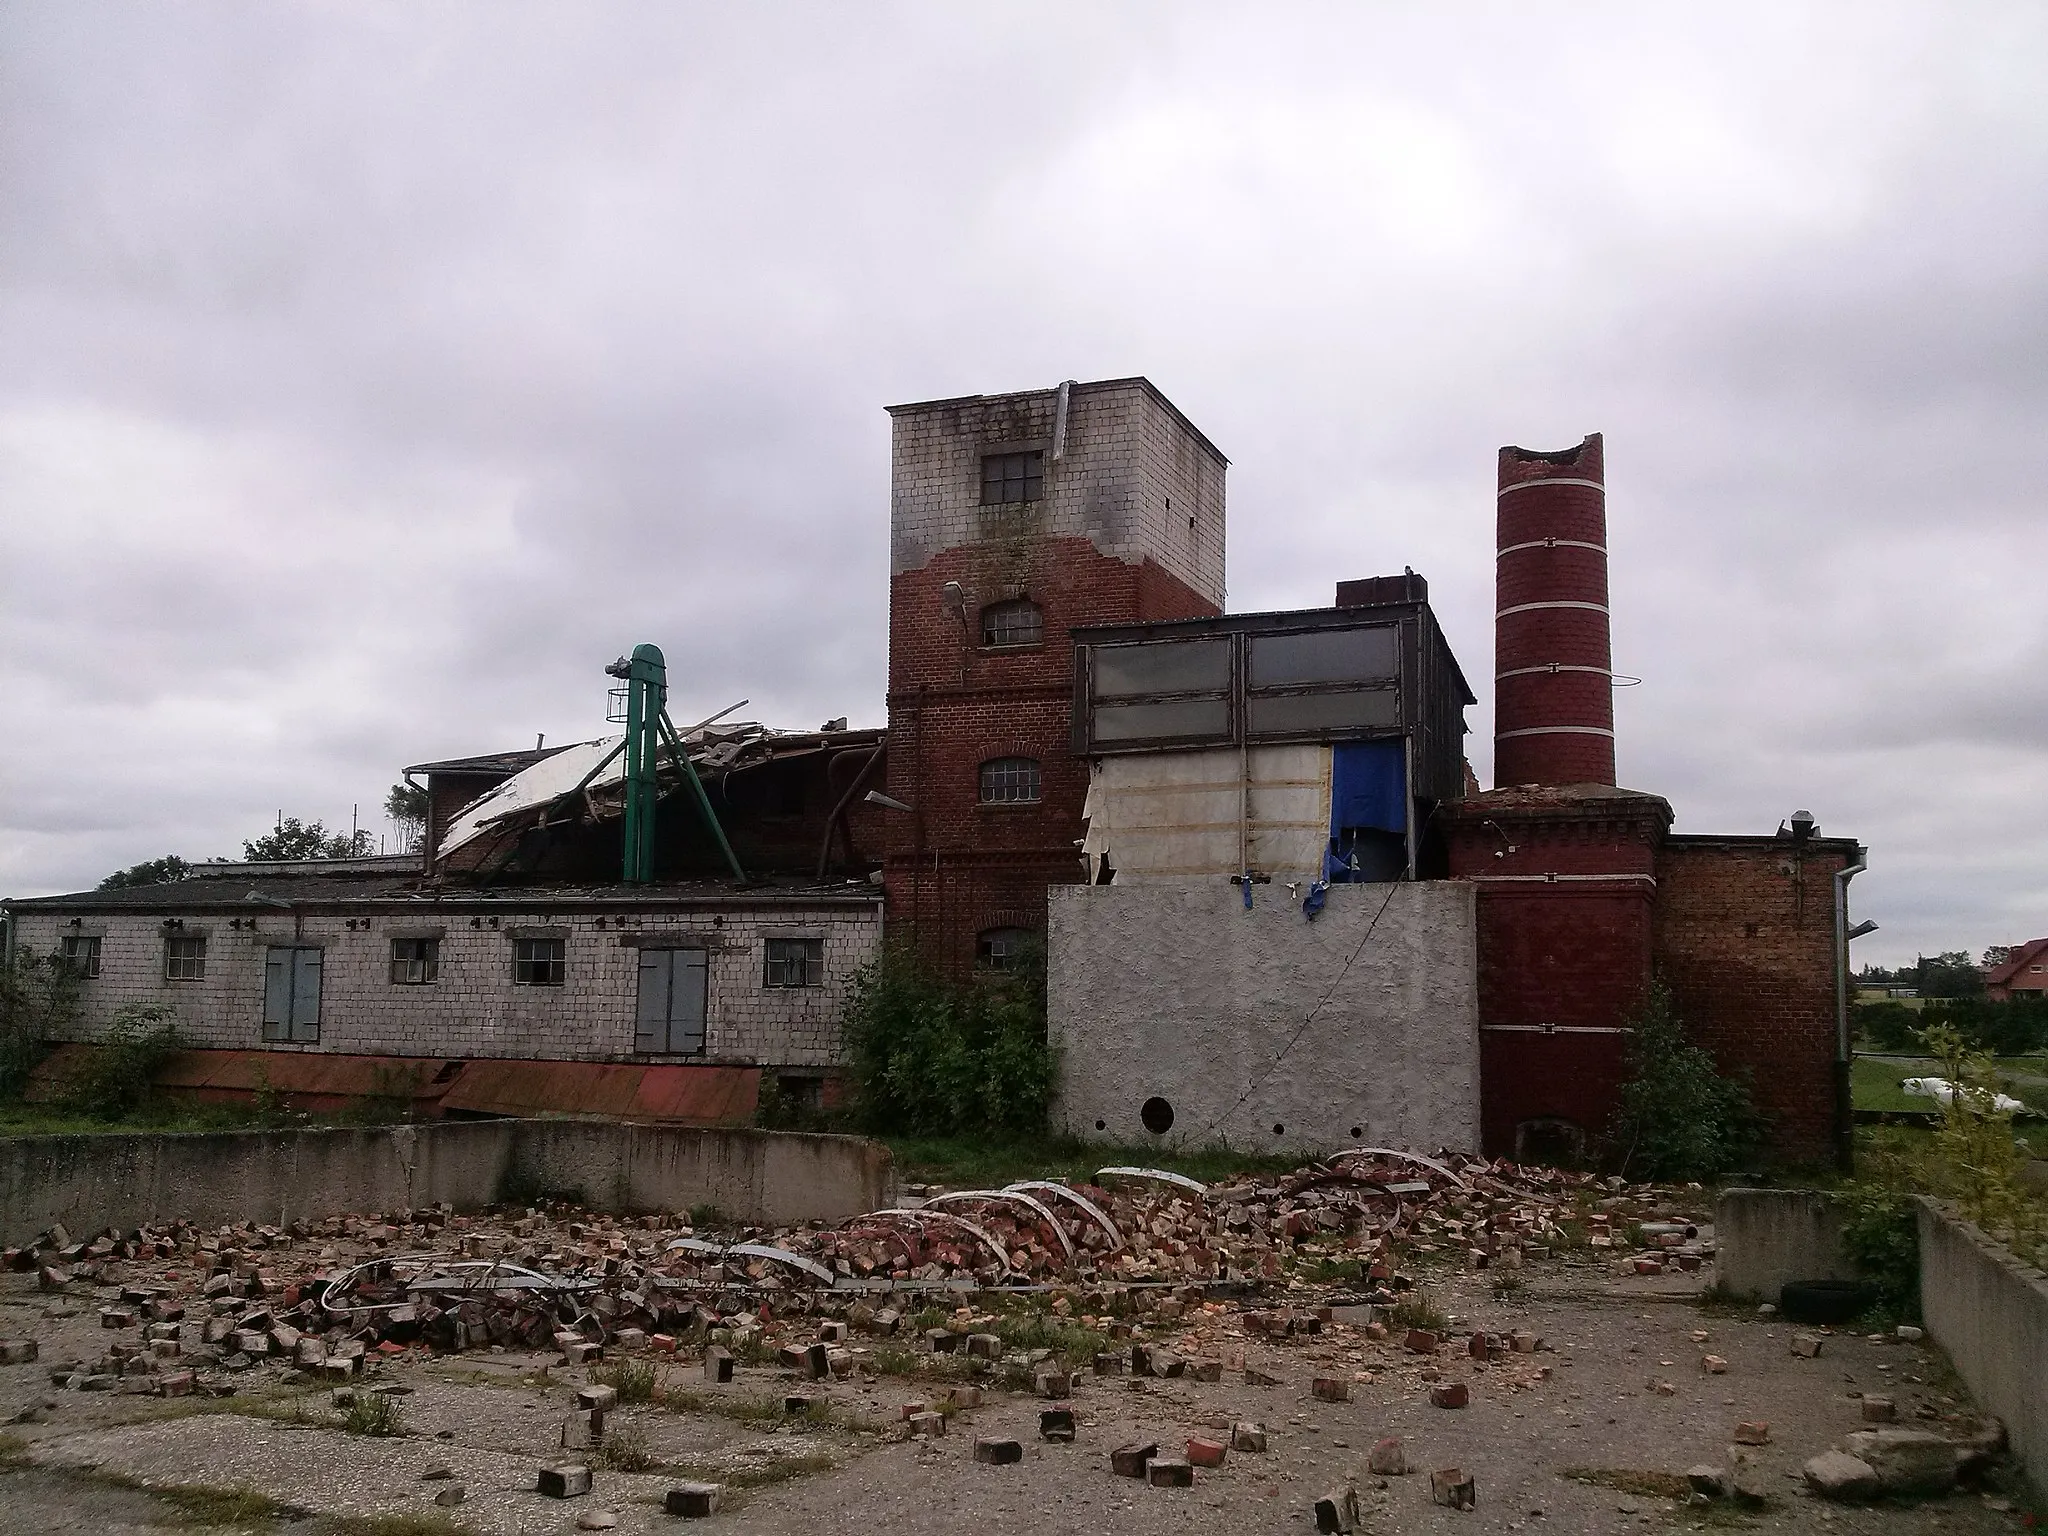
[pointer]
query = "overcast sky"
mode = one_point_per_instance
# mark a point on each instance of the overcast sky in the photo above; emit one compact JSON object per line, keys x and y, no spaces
{"x":371,"y":375}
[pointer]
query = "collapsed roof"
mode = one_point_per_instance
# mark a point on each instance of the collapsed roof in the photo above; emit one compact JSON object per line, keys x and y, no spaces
{"x":586,"y":782}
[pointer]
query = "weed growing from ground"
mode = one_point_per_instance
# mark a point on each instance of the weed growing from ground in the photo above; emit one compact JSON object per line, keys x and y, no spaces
{"x":633,"y":1380}
{"x":373,"y":1413}
{"x":624,"y":1448}
{"x":1418,"y":1309}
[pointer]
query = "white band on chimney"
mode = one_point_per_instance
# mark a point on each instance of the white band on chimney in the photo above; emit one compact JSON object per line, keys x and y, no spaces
{"x":1529,"y":607}
{"x":1526,"y":484}
{"x":1598,"y":549}
{"x":1551,"y":666}
{"x":1556,"y":730}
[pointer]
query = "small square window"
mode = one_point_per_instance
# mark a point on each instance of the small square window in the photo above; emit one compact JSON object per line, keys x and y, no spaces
{"x":1010,"y":781}
{"x":540,"y":962}
{"x":184,"y":959}
{"x":1013,"y":623}
{"x":1012,"y":477}
{"x":81,"y":955}
{"x":795,"y":963}
{"x":415,"y":962}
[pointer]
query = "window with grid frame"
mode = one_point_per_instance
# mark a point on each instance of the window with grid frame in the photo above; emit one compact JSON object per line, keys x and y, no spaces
{"x":795,"y":963}
{"x":1002,"y":949}
{"x":1017,"y":622}
{"x":184,"y":958}
{"x":80,"y":953}
{"x":415,"y":962}
{"x":1012,"y":477}
{"x":542,"y":962}
{"x":1010,"y":781}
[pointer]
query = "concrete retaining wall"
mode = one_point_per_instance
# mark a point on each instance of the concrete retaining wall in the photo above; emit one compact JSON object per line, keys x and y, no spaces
{"x":1989,"y":1312}
{"x":1261,"y":1028}
{"x":1765,"y":1237}
{"x":95,"y":1181}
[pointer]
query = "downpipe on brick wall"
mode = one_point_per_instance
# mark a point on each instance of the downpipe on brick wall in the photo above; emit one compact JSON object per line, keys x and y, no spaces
{"x":1845,"y":1114}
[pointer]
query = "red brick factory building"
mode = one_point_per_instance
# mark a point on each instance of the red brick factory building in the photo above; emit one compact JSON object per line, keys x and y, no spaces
{"x":1277,"y":908}
{"x":1018,"y":519}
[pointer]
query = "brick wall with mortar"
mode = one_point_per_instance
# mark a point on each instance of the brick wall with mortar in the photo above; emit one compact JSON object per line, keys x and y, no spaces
{"x":1566,"y":893}
{"x":1130,"y":527}
{"x":1554,"y":704}
{"x":475,"y":1009}
{"x":1745,"y":940}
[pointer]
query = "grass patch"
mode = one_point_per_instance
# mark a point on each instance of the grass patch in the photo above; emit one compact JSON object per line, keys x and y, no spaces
{"x":633,"y":1380}
{"x":1071,"y":1342}
{"x":1649,"y":1485}
{"x":374,"y":1414}
{"x":767,"y":1474}
{"x":624,"y":1448}
{"x":1418,"y":1309}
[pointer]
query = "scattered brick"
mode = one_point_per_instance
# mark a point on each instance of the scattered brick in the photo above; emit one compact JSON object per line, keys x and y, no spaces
{"x":565,"y":1482}
{"x":1056,"y":1424}
{"x":1130,"y":1460}
{"x":1169,"y":1472}
{"x":1388,"y":1458}
{"x":1204,"y":1452}
{"x":997,"y":1453}
{"x":1453,"y":1489}
{"x":692,"y":1501}
{"x":1753,"y":1432}
{"x":1331,"y":1389}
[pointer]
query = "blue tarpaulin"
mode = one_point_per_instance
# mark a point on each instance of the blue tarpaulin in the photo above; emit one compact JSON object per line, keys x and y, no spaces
{"x":1368,"y":786}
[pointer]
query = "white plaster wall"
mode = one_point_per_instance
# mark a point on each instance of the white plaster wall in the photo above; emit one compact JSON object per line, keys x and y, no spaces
{"x":475,"y":1009}
{"x":1171,"y":989}
{"x":1169,"y":815}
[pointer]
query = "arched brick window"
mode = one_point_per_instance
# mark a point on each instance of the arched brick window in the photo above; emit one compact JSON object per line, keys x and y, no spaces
{"x":1010,"y":781}
{"x":1017,"y":622}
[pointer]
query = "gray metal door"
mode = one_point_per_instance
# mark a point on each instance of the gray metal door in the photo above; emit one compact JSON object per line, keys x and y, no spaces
{"x":291,"y":994}
{"x":670,"y":1020}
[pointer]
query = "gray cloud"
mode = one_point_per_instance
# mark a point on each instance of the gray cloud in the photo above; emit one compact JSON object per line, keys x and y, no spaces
{"x":374,"y":374}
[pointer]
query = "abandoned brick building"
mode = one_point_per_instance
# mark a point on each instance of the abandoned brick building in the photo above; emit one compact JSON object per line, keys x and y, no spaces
{"x":1276,"y":908}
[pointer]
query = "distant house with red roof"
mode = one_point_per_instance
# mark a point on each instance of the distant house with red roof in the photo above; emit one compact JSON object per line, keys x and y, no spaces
{"x":2024,"y":974}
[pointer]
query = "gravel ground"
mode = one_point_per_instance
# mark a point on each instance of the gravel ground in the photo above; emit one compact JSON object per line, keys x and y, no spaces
{"x":1588,"y":1400}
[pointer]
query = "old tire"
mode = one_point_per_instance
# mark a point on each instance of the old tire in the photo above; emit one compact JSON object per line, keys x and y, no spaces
{"x":1824,"y":1302}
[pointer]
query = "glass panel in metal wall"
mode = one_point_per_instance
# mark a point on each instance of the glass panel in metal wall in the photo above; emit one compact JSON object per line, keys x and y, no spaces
{"x":1326,"y":656}
{"x":1289,"y":713}
{"x":1173,"y":718}
{"x":1173,"y":666}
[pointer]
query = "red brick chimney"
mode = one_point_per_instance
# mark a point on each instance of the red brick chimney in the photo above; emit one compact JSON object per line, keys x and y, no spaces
{"x":1553,"y":691}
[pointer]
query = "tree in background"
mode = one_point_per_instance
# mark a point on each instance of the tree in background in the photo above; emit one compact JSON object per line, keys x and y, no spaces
{"x":1950,"y":974}
{"x":149,"y":872}
{"x":1996,"y":955}
{"x":407,"y":805}
{"x":293,"y":839}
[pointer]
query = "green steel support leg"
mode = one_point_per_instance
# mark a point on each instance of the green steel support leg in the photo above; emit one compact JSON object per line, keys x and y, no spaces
{"x":675,"y":746}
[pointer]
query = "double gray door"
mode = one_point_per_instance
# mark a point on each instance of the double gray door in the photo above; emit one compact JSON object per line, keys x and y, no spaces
{"x":291,"y":994}
{"x":670,"y":1021}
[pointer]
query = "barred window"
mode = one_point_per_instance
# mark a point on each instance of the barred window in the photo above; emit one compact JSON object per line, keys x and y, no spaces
{"x":1013,"y":623}
{"x":1008,"y":477}
{"x":540,"y":962}
{"x":1001,"y":949}
{"x":795,"y":963}
{"x":415,"y":962}
{"x":184,"y":959}
{"x":1009,"y":781}
{"x":81,"y":955}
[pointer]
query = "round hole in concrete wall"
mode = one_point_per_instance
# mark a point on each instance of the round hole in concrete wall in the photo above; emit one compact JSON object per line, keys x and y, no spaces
{"x":1279,"y":1129}
{"x":1157,"y":1115}
{"x":1357,"y":1131}
{"x":1102,"y":1125}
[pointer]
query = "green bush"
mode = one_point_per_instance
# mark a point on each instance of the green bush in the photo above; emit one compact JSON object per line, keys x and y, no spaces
{"x":118,"y":1077}
{"x":933,"y":1056}
{"x":1881,"y":1235}
{"x":38,"y":1003}
{"x":1890,"y":1026}
{"x":1680,"y":1118}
